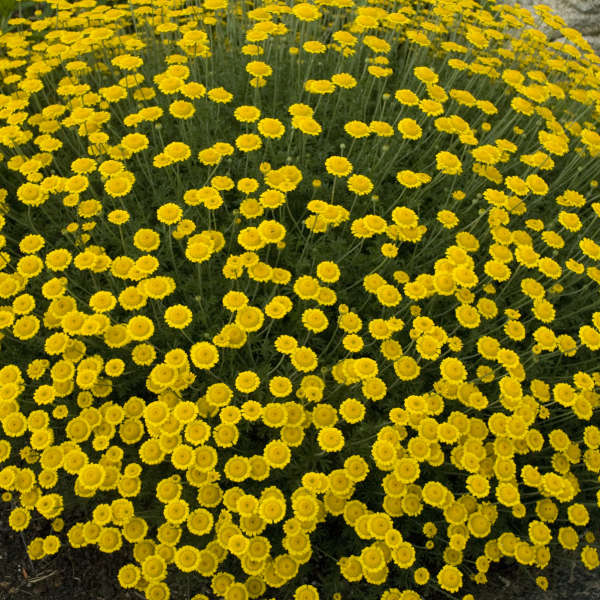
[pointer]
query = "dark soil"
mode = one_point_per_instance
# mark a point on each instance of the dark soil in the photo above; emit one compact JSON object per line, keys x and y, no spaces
{"x":567,"y":577}
{"x":71,"y":574}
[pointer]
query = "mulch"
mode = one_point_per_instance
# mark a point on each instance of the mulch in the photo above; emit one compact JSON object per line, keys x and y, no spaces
{"x":71,"y":574}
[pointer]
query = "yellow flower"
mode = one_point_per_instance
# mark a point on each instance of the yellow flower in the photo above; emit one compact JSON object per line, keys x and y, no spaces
{"x":388,"y":295}
{"x":247,"y":113}
{"x":435,"y":493}
{"x":353,"y":343}
{"x":357,"y":129}
{"x":410,"y":179}
{"x":237,"y":468}
{"x":30,"y":244}
{"x":209,"y":156}
{"x":58,"y":260}
{"x":430,"y":107}
{"x":146,"y":240}
{"x":487,"y":154}
{"x":381,"y":128}
{"x":127,"y":62}
{"x":407,"y":97}
{"x":134,"y":142}
{"x":277,"y":454}
{"x":314,"y":320}
{"x":247,"y":382}
{"x":304,"y":359}
{"x":178,"y":316}
{"x":307,"y":125}
{"x":272,"y":509}
{"x":569,"y":220}
{"x":404,"y":555}
{"x":204,"y":355}
{"x":372,"y":558}
{"x":450,"y":579}
{"x":507,"y":494}
{"x":258,"y":68}
{"x":589,"y":557}
{"x":338,"y":166}
{"x":448,"y":163}
{"x":447,"y":218}
{"x":516,"y":185}
{"x":554,"y":144}
{"x":306,"y":287}
{"x":140,"y":328}
{"x":219,"y":95}
{"x":379,"y":72}
{"x":248,"y":142}
{"x":360,"y":184}
{"x":19,"y":519}
{"x":119,"y":185}
{"x":330,"y":439}
{"x":118,"y":217}
{"x":319,"y":86}
{"x":578,"y":514}
{"x":271,"y":128}
{"x":467,"y":316}
{"x":129,"y":575}
{"x":24,"y":328}
{"x":344,"y":80}
{"x":271,"y":231}
{"x":280,"y":387}
{"x":406,"y":368}
{"x":187,"y":558}
{"x":234,"y":300}
{"x":425,"y":75}
{"x":544,"y":311}
{"x":169,"y":213}
{"x":352,"y":410}
{"x":497,"y":270}
{"x":421,"y":576}
{"x":407,"y":470}
{"x":328,"y":271}
{"x":176,"y":511}
{"x":154,"y":568}
{"x":249,"y":318}
{"x":539,"y":533}
{"x":177,"y":151}
{"x":279,"y":307}
{"x":409,"y":129}
{"x":536,"y":185}
{"x":453,"y":370}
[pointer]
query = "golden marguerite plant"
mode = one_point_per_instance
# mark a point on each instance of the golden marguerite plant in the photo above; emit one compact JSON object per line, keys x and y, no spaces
{"x":300,"y":299}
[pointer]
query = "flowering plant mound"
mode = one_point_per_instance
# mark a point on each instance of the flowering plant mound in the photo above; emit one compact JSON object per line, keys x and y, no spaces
{"x":300,"y":298}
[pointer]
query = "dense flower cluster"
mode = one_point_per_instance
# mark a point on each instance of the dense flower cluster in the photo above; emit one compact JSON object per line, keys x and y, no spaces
{"x":300,"y":297}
